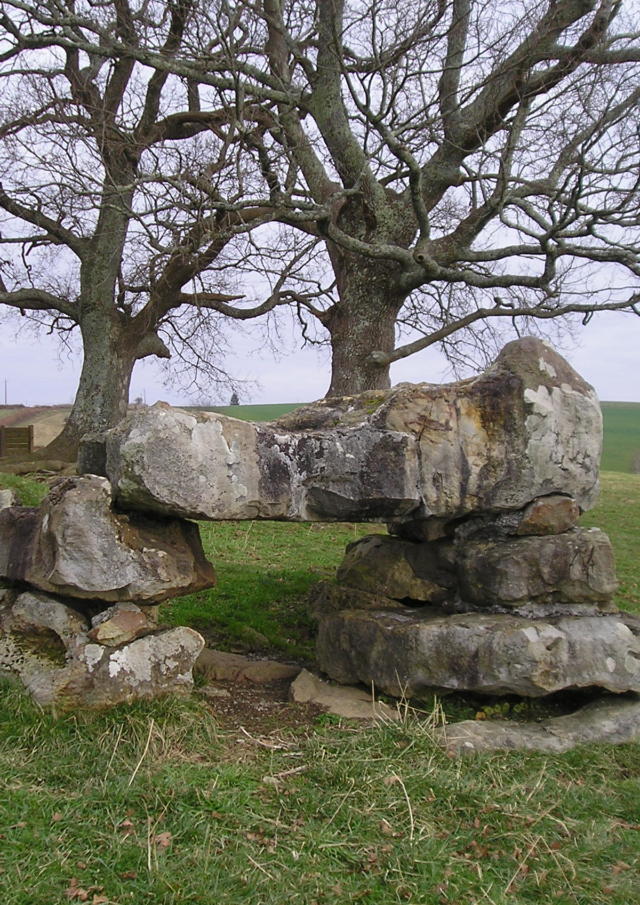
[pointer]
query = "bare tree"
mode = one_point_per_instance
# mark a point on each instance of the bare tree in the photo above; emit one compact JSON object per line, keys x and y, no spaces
{"x":463,"y":163}
{"x":123,"y":201}
{"x":446,"y":165}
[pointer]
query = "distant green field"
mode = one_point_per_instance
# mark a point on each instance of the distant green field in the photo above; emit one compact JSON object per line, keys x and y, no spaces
{"x":621,"y":436}
{"x":252,"y":412}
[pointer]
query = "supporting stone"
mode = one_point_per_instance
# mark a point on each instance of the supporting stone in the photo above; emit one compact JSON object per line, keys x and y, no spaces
{"x":415,"y":653}
{"x":76,"y":545}
{"x":574,"y":567}
{"x":46,"y":644}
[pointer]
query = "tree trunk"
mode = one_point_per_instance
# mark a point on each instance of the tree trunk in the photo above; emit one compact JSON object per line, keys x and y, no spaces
{"x":363,"y":321}
{"x":103,"y":392}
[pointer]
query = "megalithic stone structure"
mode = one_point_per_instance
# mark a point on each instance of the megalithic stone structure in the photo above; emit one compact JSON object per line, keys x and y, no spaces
{"x":485,"y":582}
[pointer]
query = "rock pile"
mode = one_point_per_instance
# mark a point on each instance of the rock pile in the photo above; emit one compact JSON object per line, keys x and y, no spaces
{"x":490,"y":589}
{"x":484,"y":582}
{"x":64,"y":564}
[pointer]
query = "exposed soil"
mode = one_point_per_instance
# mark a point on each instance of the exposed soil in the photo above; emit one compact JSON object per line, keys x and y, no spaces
{"x":258,"y":709}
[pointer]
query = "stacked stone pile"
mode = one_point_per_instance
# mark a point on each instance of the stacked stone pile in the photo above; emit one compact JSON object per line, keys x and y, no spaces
{"x":487,"y":590}
{"x":78,"y":618}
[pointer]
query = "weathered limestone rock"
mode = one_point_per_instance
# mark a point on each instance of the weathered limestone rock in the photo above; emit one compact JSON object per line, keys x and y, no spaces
{"x":345,"y":701}
{"x":7,"y":498}
{"x":34,"y":615}
{"x":574,"y":567}
{"x":204,"y":465}
{"x":528,"y":427}
{"x":611,"y":720}
{"x":38,"y":635}
{"x":418,"y":651}
{"x":146,"y":668}
{"x":399,"y":569}
{"x":45,"y":643}
{"x":75,"y":545}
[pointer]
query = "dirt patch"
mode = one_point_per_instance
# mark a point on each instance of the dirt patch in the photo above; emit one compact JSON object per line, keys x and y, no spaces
{"x":259,"y":710}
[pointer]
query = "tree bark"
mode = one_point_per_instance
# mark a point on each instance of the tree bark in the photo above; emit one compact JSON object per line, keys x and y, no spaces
{"x":103,"y":391}
{"x":363,"y":321}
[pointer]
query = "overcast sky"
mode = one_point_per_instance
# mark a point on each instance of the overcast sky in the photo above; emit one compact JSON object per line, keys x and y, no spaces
{"x":37,"y":373}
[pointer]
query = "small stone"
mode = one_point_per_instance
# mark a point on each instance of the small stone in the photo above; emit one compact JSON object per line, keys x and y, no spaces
{"x":211,"y":691}
{"x":7,"y":498}
{"x":351,"y":703}
{"x":553,"y":514}
{"x":120,"y":624}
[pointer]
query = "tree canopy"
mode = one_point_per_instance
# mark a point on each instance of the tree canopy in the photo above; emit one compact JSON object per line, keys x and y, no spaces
{"x":443,"y":165}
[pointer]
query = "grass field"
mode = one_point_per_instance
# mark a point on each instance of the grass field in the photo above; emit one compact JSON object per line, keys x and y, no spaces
{"x":621,"y":449}
{"x":253,"y":412}
{"x":159,"y":803}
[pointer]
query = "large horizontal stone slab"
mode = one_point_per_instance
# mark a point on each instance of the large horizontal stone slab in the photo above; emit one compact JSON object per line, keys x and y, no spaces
{"x":417,"y":652}
{"x":203,"y":465}
{"x":74,"y":544}
{"x":527,"y":427}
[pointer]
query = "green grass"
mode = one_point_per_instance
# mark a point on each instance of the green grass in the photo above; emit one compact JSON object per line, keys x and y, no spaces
{"x":618,"y":514}
{"x":621,"y":450}
{"x":28,"y":491}
{"x":156,"y":803}
{"x":252,"y":412}
{"x":265,"y":572}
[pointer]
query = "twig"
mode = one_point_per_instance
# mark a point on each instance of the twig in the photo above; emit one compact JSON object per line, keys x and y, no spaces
{"x":113,"y":753}
{"x":412,"y":825}
{"x":143,"y":755}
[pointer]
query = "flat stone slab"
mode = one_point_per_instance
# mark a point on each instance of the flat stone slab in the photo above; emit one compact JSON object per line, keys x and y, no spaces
{"x":340,"y":700}
{"x":416,"y":652}
{"x":219,"y":665}
{"x":612,"y":720}
{"x":528,"y":427}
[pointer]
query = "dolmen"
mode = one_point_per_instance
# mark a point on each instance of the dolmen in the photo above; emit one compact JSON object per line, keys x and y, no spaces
{"x":483,"y":583}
